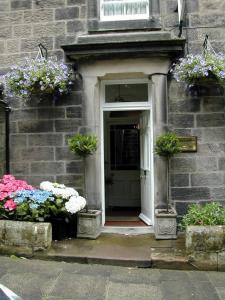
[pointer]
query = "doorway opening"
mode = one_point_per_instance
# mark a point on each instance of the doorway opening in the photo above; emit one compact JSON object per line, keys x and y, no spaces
{"x":126,"y":168}
{"x":127,"y":153}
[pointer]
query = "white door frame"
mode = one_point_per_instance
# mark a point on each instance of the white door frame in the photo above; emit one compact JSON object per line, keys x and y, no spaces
{"x":124,"y":106}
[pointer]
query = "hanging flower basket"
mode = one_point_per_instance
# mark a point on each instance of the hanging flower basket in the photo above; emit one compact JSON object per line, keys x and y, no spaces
{"x":38,"y":76}
{"x":201,"y":70}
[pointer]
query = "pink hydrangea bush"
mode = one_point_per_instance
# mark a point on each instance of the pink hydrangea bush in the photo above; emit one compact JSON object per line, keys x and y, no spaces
{"x":9,"y":185}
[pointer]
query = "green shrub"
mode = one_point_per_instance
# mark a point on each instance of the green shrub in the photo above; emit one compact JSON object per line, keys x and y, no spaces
{"x":83,"y":145}
{"x":167,"y":144}
{"x":209,"y":214}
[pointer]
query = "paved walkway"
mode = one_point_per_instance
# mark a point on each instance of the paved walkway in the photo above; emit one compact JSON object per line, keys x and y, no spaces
{"x":122,"y":250}
{"x":48,"y":280}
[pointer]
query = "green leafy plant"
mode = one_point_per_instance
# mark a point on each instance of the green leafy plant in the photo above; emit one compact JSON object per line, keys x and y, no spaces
{"x":83,"y":145}
{"x":167,"y":144}
{"x":209,"y":214}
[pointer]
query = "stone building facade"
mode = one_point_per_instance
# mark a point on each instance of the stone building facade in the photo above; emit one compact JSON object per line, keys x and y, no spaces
{"x":104,"y":51}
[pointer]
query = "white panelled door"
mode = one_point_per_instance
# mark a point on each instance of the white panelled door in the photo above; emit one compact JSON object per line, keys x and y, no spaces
{"x":145,"y":171}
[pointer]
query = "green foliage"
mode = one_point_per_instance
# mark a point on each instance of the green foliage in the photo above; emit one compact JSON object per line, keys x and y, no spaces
{"x":209,"y":214}
{"x":83,"y":145}
{"x":167,"y":144}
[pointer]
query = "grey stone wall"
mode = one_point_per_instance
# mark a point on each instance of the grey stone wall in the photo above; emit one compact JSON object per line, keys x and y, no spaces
{"x":198,"y":177}
{"x":2,"y":141}
{"x":39,"y":132}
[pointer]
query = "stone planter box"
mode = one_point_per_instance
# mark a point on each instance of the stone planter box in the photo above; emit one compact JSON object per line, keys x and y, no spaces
{"x":27,"y":235}
{"x":89,"y":224}
{"x":165,"y":224}
{"x":205,"y":239}
{"x":205,"y":247}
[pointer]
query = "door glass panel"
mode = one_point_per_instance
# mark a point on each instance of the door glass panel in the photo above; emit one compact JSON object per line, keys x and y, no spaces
{"x":124,"y":147}
{"x":126,"y":93}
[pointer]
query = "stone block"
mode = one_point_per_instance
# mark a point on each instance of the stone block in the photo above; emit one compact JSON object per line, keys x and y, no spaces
{"x":47,"y":139}
{"x":13,"y":127}
{"x":64,"y":40}
{"x":35,"y":180}
{"x":213,"y":104}
{"x":6,"y":32}
{"x":192,"y":193}
{"x":178,"y":180}
{"x":182,"y":207}
{"x":74,"y":167}
{"x":39,"y":16}
{"x":176,"y":90}
{"x":222,"y":163}
{"x":184,"y":105}
{"x":75,"y":26}
{"x":214,"y":6}
{"x":67,"y":125}
{"x":30,"y":44}
{"x":215,"y":19}
{"x":36,"y":154}
{"x":25,"y":114}
{"x":209,"y":149}
{"x":218,"y":193}
{"x":76,"y":2}
{"x":183,"y":165}
{"x":8,"y":18}
{"x":73,"y":98}
{"x":21,"y":4}
{"x":49,"y":3}
{"x":214,"y":134}
{"x":21,"y":30}
{"x":92,"y":9}
{"x":70,"y":180}
{"x":74,"y":112}
{"x":205,"y":238}
{"x":35,"y":126}
{"x":204,"y":179}
{"x":206,"y":164}
{"x":50,"y":168}
{"x":67,"y":13}
{"x":52,"y":29}
{"x":184,"y":132}
{"x":210,"y":120}
{"x":12,"y":46}
{"x":37,"y":236}
{"x":192,"y":6}
{"x":19,"y":168}
{"x":181,"y":120}
{"x":83,"y":12}
{"x":63,"y":153}
{"x":51,"y":113}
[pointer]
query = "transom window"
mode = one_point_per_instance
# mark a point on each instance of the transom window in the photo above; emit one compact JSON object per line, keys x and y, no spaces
{"x":115,"y":10}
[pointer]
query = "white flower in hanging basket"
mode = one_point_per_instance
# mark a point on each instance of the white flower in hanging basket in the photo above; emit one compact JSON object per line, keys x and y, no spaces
{"x":37,"y":76}
{"x":200,"y":69}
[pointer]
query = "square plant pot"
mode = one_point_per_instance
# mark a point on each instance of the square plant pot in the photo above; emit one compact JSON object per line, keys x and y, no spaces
{"x":165,"y":224}
{"x":89,"y":224}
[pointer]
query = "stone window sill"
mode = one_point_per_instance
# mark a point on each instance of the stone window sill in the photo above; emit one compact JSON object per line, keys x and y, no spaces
{"x":99,"y":26}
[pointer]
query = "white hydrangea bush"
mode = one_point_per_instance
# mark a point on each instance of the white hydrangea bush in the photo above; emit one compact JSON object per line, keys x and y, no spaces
{"x":74,"y":202}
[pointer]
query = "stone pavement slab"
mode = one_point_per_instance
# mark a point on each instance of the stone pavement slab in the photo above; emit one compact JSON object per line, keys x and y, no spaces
{"x":123,"y":250}
{"x":51,"y":280}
